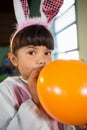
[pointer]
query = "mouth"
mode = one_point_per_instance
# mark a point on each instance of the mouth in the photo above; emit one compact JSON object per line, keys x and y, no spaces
{"x":39,"y":70}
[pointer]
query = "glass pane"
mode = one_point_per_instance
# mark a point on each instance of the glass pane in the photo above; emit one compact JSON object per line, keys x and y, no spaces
{"x":69,"y":55}
{"x":65,"y":19}
{"x":67,"y":39}
{"x":55,"y":54}
{"x":67,"y":4}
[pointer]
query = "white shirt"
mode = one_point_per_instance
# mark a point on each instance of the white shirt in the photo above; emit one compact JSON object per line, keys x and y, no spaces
{"x":18,"y":111}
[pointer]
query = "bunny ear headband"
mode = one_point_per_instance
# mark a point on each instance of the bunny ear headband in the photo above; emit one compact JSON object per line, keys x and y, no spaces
{"x":48,"y":10}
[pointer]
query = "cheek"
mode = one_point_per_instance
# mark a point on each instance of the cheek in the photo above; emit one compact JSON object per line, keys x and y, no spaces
{"x":49,"y":60}
{"x":25,"y":69}
{"x":26,"y":66}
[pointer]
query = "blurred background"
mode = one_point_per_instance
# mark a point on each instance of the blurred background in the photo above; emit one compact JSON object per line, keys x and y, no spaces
{"x":69,"y":29}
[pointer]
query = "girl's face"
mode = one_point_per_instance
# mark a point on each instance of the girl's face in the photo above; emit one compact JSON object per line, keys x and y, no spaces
{"x":31,"y":57}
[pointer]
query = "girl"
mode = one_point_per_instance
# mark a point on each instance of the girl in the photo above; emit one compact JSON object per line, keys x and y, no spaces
{"x":20,"y":109}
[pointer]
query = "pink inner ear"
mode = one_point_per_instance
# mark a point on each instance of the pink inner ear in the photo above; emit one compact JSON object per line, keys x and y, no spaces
{"x":51,"y":7}
{"x":25,"y":8}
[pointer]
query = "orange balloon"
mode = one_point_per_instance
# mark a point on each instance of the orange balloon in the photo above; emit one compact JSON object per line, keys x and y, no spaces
{"x":62,"y":91}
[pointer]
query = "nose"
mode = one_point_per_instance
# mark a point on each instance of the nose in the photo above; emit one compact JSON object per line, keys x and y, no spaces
{"x":41,"y":61}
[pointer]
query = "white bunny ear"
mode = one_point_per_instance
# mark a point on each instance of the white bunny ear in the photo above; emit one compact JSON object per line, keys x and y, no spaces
{"x":21,"y":9}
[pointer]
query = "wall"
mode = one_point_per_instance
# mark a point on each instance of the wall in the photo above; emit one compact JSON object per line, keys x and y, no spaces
{"x":3,"y":52}
{"x":34,"y":8}
{"x":7,"y":22}
{"x":82,"y":27}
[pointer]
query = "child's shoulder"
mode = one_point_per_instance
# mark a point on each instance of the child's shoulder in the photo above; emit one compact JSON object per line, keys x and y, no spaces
{"x":10,"y":82}
{"x":9,"y":86}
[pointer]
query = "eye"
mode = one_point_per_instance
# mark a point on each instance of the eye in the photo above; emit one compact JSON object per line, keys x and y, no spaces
{"x":32,"y":53}
{"x":48,"y":53}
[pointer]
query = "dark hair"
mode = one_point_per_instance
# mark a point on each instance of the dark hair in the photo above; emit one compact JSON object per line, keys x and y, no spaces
{"x":35,"y":35}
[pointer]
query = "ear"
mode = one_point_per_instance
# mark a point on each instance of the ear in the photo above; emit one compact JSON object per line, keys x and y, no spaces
{"x":13,"y":59}
{"x":21,"y":9}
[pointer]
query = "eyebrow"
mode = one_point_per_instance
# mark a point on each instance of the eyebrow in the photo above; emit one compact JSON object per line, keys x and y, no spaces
{"x":31,"y":47}
{"x":35,"y":47}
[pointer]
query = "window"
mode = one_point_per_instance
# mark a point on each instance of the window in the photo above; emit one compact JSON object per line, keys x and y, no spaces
{"x":65,"y":32}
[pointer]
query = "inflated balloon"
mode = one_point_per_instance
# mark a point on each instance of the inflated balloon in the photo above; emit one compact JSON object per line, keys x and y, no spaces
{"x":62,"y":91}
